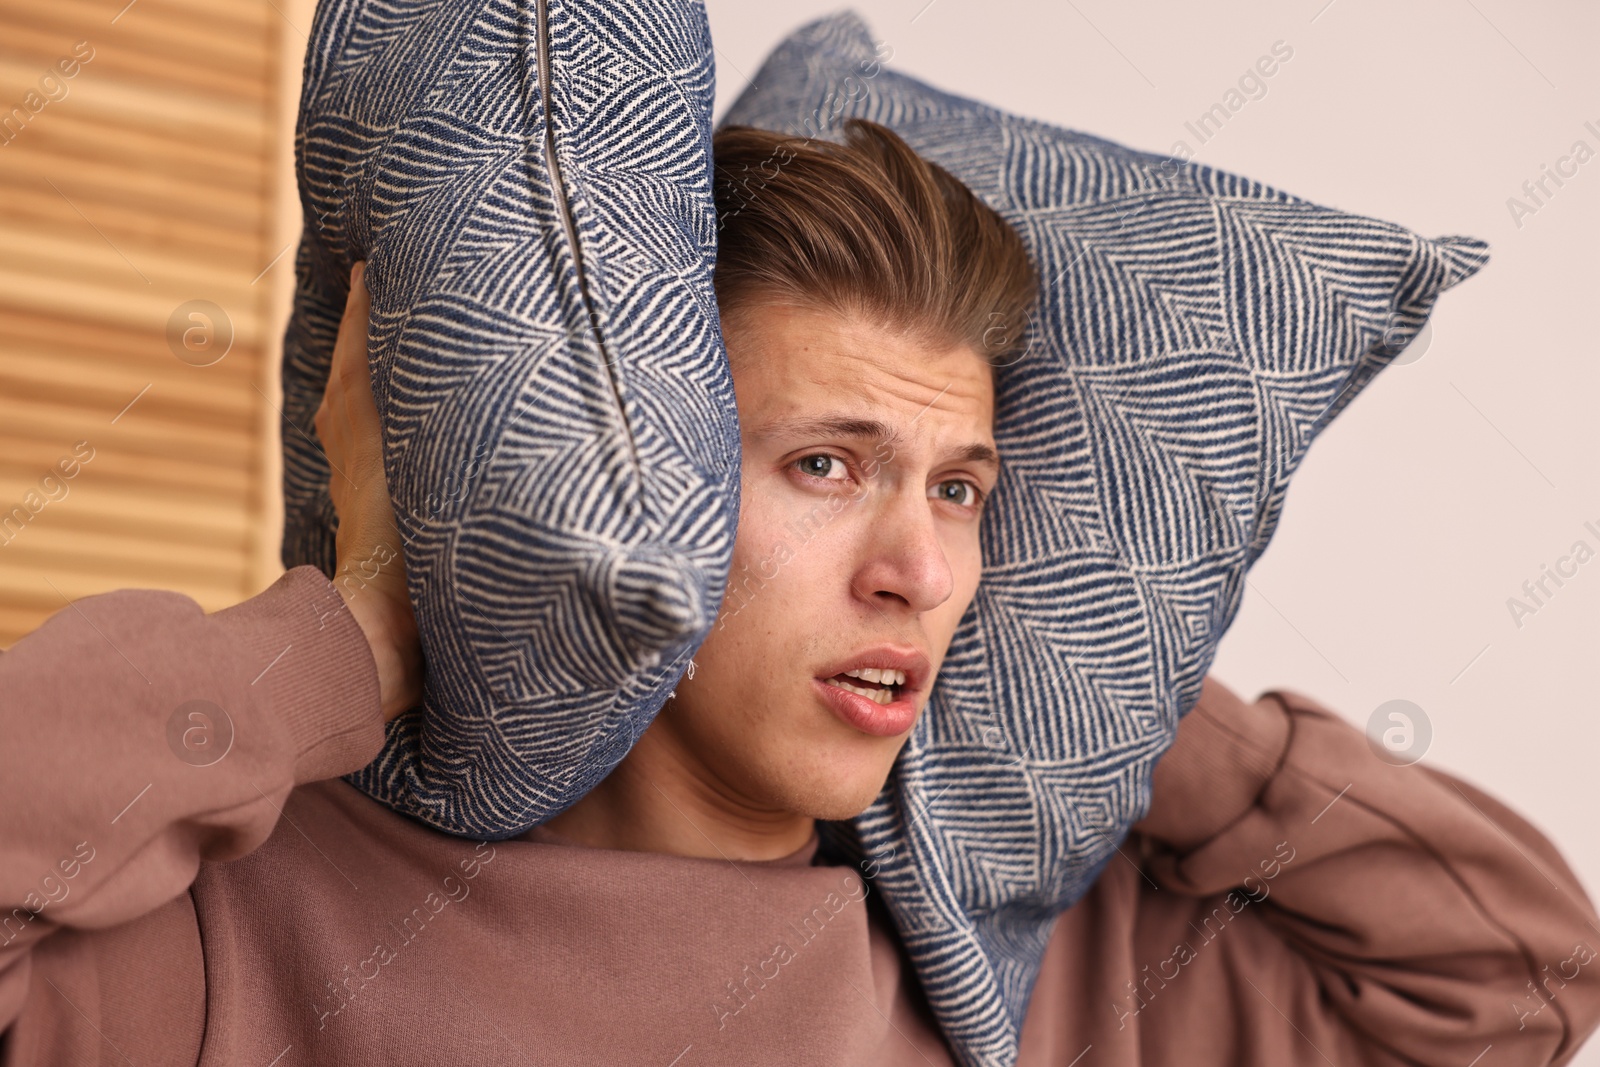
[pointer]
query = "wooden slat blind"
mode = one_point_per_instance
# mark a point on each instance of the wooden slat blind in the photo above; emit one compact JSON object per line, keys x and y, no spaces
{"x":158,"y":174}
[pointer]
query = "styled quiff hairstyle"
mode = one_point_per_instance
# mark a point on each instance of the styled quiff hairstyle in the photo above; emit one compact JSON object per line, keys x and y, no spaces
{"x":867,"y":228}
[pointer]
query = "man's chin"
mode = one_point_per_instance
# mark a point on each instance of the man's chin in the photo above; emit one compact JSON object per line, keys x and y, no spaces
{"x":834,"y":799}
{"x":841,"y":811}
{"x":834,"y":773}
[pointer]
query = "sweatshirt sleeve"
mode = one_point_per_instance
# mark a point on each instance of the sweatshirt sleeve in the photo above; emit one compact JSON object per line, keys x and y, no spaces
{"x":140,"y":737}
{"x":1311,"y":902}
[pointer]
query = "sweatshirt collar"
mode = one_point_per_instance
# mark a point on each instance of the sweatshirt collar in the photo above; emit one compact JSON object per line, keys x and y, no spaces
{"x":804,"y":856}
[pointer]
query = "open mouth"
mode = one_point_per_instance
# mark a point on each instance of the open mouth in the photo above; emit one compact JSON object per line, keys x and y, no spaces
{"x":876,"y":689}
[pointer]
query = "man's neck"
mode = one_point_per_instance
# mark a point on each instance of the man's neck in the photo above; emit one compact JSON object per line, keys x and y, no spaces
{"x":661,"y":799}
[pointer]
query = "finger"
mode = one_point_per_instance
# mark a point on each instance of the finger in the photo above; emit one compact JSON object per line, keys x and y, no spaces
{"x":353,"y":368}
{"x":359,"y":430}
{"x":350,"y":322}
{"x":359,"y":409}
{"x":333,"y":413}
{"x":325,"y":424}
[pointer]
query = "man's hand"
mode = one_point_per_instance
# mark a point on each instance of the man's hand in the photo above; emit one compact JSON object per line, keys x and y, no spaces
{"x":371,"y":573}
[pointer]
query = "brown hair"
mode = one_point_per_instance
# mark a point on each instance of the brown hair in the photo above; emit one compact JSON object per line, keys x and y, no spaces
{"x":867,"y":228}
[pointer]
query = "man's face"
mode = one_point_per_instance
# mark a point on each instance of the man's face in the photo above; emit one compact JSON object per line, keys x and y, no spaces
{"x":847,"y":546}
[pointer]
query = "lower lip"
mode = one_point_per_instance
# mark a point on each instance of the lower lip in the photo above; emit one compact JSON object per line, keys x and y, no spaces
{"x":868,"y":716}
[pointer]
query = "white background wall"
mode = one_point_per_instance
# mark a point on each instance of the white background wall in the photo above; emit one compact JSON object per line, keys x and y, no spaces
{"x":1457,"y":474}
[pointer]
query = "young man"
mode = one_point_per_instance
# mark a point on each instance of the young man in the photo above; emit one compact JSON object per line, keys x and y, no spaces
{"x":186,"y":880}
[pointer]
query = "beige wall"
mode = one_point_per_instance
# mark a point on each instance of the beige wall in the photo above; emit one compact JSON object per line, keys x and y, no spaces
{"x":145,"y":163}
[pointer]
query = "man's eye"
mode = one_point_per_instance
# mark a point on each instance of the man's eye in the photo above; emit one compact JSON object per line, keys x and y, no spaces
{"x":818,"y":470}
{"x":973,"y":498}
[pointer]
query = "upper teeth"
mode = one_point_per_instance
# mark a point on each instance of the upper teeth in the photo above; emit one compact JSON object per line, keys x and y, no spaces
{"x":883,"y":675}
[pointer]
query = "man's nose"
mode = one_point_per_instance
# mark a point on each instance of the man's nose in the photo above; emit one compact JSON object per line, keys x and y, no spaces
{"x":905,"y":559}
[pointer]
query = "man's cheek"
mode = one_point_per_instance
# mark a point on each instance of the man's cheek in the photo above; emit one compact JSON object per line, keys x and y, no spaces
{"x":773,"y":562}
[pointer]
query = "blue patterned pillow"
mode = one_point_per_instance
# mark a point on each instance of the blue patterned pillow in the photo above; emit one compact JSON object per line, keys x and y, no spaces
{"x":1196,"y":331}
{"x":558,"y":415}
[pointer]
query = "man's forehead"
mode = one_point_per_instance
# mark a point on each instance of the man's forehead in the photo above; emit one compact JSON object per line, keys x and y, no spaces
{"x":806,"y":373}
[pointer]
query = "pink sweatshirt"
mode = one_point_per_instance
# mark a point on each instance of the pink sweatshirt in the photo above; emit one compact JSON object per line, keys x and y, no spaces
{"x":205,"y":890}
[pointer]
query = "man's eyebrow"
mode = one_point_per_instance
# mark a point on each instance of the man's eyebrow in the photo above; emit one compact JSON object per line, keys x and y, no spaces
{"x":856,"y":426}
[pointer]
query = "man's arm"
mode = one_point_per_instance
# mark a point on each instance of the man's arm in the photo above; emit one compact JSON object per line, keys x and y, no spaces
{"x":141,"y":737}
{"x":1318,"y":904}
